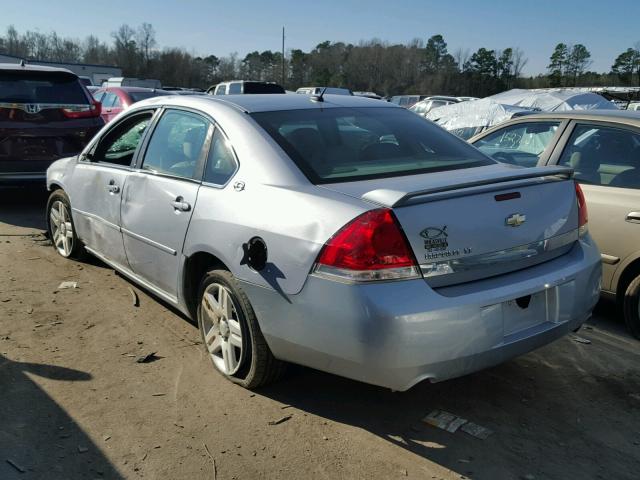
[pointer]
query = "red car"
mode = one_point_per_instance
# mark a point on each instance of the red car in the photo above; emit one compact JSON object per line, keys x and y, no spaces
{"x":116,"y":99}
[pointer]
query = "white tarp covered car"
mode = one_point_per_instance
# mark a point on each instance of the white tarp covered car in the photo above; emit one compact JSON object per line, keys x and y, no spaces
{"x":466,"y":119}
{"x":554,"y":100}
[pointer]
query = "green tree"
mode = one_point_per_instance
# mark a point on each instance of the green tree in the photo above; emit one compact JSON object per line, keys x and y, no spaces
{"x":558,"y":64}
{"x":436,"y":57}
{"x":626,"y":65}
{"x":578,"y":61}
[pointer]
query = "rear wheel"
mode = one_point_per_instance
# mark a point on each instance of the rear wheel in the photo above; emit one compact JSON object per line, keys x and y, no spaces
{"x":61,"y":229}
{"x":231,"y":333}
{"x":631,"y":307}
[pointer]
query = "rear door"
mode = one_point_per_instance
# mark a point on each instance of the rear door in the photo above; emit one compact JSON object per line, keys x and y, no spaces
{"x":606,"y":161}
{"x":98,"y":182}
{"x":160,"y":195}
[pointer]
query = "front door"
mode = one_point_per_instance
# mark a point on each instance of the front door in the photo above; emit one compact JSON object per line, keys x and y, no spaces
{"x":160,"y":196}
{"x":99,"y":179}
{"x":606,"y":161}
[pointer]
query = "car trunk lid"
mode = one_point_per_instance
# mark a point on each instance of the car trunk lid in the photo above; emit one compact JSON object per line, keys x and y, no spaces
{"x":476,"y":223}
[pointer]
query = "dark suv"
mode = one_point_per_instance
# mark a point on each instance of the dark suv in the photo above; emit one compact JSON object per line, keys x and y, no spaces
{"x":45,"y":114}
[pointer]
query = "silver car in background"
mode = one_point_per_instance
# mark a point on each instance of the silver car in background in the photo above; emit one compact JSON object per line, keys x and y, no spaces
{"x":332,"y":231}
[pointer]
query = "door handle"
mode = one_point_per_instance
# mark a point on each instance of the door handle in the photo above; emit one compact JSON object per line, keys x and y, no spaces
{"x":181,"y":205}
{"x":112,"y":187}
{"x":633,"y":217}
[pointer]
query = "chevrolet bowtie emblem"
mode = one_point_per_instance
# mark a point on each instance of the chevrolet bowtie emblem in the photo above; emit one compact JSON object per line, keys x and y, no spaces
{"x":515,"y":220}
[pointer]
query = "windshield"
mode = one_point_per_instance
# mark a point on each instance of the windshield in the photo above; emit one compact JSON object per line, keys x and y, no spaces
{"x":41,"y":87}
{"x":347,"y":144}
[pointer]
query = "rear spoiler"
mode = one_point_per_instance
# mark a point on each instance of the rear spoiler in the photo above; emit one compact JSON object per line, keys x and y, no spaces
{"x":515,"y":179}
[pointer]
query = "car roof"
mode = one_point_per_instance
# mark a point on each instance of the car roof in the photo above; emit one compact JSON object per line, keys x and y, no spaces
{"x":33,"y":68}
{"x":620,"y":116}
{"x":268,"y":102}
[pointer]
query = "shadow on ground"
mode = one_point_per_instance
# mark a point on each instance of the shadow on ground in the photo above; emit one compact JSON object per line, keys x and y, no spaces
{"x":564,"y":411}
{"x":24,"y":206}
{"x":57,"y":447}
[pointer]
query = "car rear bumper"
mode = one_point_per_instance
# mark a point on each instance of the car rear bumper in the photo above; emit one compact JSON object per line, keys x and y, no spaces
{"x":397,"y":334}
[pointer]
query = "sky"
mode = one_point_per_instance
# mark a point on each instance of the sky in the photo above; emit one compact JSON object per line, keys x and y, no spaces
{"x":220,"y":28}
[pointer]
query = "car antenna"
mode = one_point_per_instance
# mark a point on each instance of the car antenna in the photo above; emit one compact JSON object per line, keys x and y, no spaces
{"x":319,"y":98}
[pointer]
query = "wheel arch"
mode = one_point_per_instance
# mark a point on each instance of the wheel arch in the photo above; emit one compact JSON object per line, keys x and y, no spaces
{"x":625,"y":274}
{"x":195,"y":266}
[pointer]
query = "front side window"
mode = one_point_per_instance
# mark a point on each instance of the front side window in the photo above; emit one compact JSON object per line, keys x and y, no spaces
{"x":520,"y":144}
{"x":347,"y":144}
{"x":119,"y":144}
{"x":604,"y":156}
{"x":176,"y":144}
{"x":221,"y":163}
{"x":220,"y":90}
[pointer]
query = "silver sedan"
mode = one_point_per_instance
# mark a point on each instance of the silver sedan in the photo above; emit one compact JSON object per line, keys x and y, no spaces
{"x":330,"y":231}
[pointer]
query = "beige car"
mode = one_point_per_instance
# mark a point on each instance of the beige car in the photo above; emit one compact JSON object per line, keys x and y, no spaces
{"x":603,"y":147}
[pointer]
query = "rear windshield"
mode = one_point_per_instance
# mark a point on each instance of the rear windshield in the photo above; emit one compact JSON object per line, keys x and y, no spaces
{"x":348,"y":144}
{"x":137,"y":96}
{"x":41,"y":87}
{"x":262,"y":88}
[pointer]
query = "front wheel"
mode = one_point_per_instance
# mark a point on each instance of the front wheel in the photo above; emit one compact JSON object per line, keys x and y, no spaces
{"x":61,"y":229}
{"x":631,"y":307}
{"x":231,"y":333}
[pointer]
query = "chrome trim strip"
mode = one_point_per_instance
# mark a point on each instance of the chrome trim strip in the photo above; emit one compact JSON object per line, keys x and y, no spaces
{"x":43,"y":106}
{"x":148,"y":241}
{"x":133,"y":277}
{"x":609,"y":259}
{"x":499,"y":257}
{"x":96,"y":217}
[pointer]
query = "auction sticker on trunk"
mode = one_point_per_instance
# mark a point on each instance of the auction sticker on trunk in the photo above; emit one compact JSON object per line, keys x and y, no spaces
{"x":435,"y":238}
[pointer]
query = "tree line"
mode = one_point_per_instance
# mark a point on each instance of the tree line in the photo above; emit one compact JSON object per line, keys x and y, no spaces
{"x":373,"y":65}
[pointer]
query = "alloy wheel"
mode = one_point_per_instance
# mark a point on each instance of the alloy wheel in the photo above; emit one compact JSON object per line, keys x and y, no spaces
{"x":221,"y":328}
{"x":61,"y":228}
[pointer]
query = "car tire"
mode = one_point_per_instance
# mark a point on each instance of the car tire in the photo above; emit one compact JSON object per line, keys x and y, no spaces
{"x":62,"y":231}
{"x":231,"y":333}
{"x":631,"y":307}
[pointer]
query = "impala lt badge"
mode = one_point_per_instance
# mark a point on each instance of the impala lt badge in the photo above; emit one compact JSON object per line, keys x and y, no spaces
{"x":515,"y":220}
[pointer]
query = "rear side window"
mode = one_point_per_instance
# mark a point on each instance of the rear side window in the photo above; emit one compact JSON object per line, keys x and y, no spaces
{"x":176,"y":144}
{"x":347,"y":144}
{"x":221,"y":163}
{"x":604,"y":156}
{"x":520,"y":144}
{"x":109,"y":100}
{"x":41,"y":87}
{"x":235,"y":88}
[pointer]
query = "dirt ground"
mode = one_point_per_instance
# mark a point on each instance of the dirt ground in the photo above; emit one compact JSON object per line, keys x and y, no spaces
{"x":74,"y":403}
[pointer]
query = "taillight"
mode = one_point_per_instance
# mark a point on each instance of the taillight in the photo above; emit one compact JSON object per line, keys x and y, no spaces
{"x":583,"y":216}
{"x":370,"y":247}
{"x":83,"y":111}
